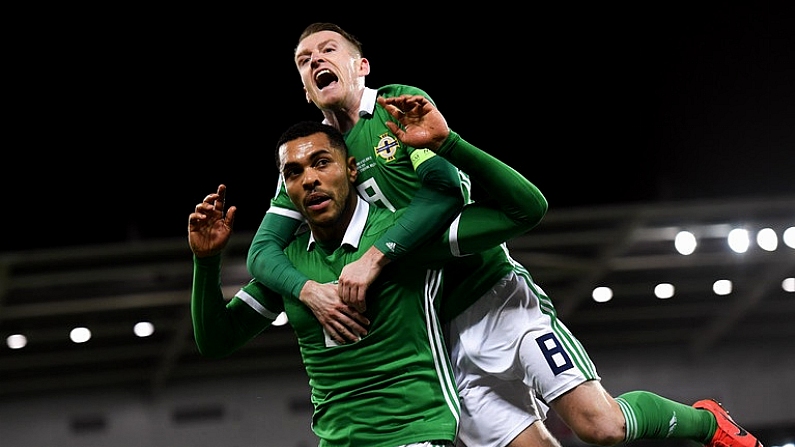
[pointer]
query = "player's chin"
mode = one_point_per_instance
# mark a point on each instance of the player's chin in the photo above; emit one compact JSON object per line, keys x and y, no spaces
{"x":321,"y":219}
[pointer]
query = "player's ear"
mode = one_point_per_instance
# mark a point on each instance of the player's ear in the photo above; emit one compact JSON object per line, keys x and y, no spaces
{"x":353,"y":173}
{"x":364,"y":67}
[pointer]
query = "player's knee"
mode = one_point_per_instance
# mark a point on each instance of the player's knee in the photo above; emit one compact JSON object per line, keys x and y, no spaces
{"x":537,"y":435}
{"x":592,"y":414}
{"x":598,"y":425}
{"x":601,"y":438}
{"x":604,"y":431}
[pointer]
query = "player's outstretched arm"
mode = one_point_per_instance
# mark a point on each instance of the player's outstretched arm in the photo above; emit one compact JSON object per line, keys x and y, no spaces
{"x":218,"y":329}
{"x":209,"y":229}
{"x":516,"y":204}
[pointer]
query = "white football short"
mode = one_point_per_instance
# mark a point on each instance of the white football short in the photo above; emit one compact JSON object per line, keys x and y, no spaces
{"x":511,"y":356}
{"x":429,"y":444}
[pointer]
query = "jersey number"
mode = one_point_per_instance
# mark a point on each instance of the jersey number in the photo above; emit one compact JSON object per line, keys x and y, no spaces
{"x":370,"y":191}
{"x":553,"y":351}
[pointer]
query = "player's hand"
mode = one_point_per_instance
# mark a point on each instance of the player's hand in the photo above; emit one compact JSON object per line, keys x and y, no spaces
{"x":342,"y":322}
{"x":209,"y":229}
{"x":422,"y":124}
{"x":357,"y":277}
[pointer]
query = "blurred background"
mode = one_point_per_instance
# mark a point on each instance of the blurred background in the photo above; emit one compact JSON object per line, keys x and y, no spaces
{"x":646,"y":127}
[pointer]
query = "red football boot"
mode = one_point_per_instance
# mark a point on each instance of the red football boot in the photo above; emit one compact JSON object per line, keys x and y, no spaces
{"x":729,"y":433}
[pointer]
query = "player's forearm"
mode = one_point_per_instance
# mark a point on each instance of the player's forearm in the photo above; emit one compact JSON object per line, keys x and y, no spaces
{"x":266,"y":260}
{"x":374,"y":259}
{"x":517,"y":196}
{"x":432,"y":208}
{"x":212,"y":329}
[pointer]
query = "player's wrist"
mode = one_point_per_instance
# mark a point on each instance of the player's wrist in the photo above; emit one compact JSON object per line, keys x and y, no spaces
{"x":447,"y":145}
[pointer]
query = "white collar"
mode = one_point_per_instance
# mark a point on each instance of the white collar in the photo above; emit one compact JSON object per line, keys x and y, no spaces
{"x":367,"y":105}
{"x":353,"y":234}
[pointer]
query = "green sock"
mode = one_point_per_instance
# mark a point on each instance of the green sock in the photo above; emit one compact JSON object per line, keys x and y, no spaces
{"x":650,"y":416}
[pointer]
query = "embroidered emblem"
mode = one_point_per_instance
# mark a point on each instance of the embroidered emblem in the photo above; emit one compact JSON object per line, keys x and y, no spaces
{"x":387,"y":147}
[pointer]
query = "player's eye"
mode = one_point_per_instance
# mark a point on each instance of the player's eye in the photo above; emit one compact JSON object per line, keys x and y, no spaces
{"x":290,"y":172}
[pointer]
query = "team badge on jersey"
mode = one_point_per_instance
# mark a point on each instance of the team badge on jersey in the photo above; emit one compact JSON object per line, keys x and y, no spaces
{"x":387,"y":147}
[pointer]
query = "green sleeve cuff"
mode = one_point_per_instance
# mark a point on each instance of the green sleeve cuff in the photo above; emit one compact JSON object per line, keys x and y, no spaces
{"x":207,"y":261}
{"x":449,"y":143}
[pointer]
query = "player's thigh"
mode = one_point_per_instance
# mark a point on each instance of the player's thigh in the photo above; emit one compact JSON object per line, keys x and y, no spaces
{"x":495,"y":411}
{"x":536,"y":435}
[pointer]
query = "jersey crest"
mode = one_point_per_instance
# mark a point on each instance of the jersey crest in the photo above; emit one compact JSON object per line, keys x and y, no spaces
{"x":387,"y":147}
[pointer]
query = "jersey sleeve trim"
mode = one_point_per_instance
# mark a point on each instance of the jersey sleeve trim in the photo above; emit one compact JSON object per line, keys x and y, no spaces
{"x":252,"y":302}
{"x":453,"y":237}
{"x":288,"y":213}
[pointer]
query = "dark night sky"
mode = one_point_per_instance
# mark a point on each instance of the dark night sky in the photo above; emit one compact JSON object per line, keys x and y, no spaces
{"x":121,"y":123}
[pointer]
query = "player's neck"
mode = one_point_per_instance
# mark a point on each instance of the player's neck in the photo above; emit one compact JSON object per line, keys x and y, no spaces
{"x":343,"y":116}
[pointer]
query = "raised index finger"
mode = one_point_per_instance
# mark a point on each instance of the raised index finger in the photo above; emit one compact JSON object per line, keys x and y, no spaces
{"x":219,"y":202}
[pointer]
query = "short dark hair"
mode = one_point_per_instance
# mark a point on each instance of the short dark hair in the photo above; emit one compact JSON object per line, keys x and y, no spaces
{"x":326,"y":26}
{"x":307,"y":128}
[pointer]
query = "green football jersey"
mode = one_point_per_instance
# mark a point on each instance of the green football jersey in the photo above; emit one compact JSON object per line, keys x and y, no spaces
{"x":395,"y":385}
{"x":388,"y":178}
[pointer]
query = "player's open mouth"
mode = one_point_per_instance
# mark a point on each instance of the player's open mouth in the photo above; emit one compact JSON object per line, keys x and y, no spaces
{"x":315,"y":201}
{"x":324,"y":78}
